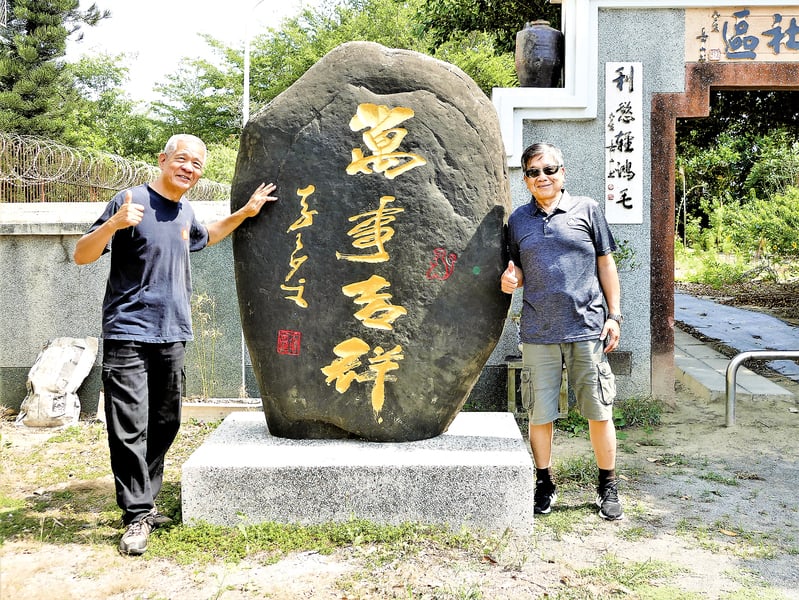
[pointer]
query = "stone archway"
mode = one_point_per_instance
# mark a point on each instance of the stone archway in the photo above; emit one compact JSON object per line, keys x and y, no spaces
{"x":700,"y":78}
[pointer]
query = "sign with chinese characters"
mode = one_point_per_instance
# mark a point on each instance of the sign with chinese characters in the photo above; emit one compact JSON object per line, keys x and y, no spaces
{"x":624,"y":143}
{"x":368,"y":292}
{"x":765,"y":34}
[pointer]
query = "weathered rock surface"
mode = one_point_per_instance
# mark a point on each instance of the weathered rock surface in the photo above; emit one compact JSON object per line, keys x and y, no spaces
{"x":369,"y":292}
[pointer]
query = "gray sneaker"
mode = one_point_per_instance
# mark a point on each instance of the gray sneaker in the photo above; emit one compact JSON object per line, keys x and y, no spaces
{"x":134,"y":540}
{"x":607,"y":499}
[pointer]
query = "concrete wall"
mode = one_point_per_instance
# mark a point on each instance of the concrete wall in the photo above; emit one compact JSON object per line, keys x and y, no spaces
{"x":654,"y":38}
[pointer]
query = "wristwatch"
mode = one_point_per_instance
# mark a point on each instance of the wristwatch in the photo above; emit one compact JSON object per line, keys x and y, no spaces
{"x":618,"y":318}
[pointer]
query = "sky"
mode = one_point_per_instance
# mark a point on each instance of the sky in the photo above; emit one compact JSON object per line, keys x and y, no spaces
{"x":161,"y":32}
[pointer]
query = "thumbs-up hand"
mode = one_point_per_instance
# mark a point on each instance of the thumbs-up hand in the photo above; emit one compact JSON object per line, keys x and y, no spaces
{"x":129,"y":214}
{"x":510,"y":278}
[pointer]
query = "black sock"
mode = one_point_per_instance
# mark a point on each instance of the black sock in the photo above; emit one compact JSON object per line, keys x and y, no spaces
{"x":606,"y":475}
{"x":543,"y":475}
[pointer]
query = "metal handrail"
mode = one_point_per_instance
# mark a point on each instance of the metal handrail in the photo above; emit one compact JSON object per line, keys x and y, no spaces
{"x":737,"y":361}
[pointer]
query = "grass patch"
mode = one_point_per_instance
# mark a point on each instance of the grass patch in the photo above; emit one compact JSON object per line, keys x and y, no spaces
{"x":9,"y":504}
{"x":69,"y":472}
{"x":674,"y":460}
{"x":648,"y":440}
{"x":573,"y":423}
{"x":635,"y":533}
{"x":74,"y":453}
{"x":716,"y":478}
{"x":645,"y":413}
{"x":631,"y":575}
{"x":637,"y":412}
{"x":74,"y":503}
{"x":753,"y":587}
{"x":724,"y":537}
{"x":576,"y":478}
{"x":58,"y":489}
{"x":203,"y":542}
{"x":565,"y":518}
{"x":579,"y":471}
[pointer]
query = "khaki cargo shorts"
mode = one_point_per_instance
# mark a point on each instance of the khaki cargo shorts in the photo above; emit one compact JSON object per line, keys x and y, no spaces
{"x":589,"y":377}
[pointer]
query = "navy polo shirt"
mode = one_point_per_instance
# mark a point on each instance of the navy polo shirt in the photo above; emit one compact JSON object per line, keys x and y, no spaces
{"x":562,"y":300}
{"x":148,"y":294}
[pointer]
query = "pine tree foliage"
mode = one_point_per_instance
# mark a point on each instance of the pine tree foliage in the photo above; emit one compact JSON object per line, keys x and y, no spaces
{"x":34,"y":88}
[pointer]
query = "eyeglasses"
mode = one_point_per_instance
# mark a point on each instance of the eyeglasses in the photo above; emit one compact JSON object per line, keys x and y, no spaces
{"x":548,"y":170}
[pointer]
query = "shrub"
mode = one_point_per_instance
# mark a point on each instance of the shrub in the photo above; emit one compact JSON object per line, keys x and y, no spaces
{"x":717,"y":273}
{"x":637,"y":412}
{"x":769,"y":226}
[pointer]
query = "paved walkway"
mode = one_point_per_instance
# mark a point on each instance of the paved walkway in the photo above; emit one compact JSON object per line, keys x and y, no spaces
{"x":703,"y":370}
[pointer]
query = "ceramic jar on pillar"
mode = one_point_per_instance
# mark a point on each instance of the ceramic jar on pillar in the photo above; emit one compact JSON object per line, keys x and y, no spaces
{"x":539,"y":55}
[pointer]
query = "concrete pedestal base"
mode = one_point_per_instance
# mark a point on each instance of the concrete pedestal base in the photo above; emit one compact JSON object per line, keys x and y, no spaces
{"x":479,"y":473}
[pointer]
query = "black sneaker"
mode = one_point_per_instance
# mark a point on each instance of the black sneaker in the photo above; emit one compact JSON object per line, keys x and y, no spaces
{"x":607,"y":499}
{"x":544,"y":497}
{"x":134,"y":540}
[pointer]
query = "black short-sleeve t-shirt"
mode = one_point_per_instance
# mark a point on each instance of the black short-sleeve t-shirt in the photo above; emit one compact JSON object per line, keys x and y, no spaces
{"x":148,"y":294}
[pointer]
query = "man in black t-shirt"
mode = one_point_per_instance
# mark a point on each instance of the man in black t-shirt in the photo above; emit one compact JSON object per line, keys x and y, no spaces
{"x":149,"y":231}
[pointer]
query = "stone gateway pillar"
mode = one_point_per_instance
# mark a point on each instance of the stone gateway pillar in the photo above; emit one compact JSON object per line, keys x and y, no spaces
{"x":369,"y":292}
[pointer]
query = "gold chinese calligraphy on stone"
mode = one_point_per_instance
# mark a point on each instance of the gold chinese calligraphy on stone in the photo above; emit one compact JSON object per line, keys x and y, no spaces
{"x":372,"y":232}
{"x":297,"y":259}
{"x":382,"y":138}
{"x":377,"y":311}
{"x":295,"y":262}
{"x":342,"y":370}
{"x":306,"y":215}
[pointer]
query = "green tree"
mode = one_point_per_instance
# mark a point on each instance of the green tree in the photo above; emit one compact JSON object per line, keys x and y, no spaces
{"x":476,"y":54}
{"x":741,"y":168}
{"x":103,"y":117}
{"x":742,"y":113}
{"x":206,"y":98}
{"x":776,"y":165}
{"x":221,"y":163}
{"x":33,"y":85}
{"x":745,"y":148}
{"x":452,"y":19}
{"x":766,"y":228}
{"x":711,"y":172}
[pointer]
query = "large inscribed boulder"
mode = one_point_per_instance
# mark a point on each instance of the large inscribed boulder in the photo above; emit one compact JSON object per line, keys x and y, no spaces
{"x":369,"y":292}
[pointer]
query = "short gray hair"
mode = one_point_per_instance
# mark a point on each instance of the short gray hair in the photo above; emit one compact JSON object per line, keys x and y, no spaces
{"x":540,"y":149}
{"x":172,"y":143}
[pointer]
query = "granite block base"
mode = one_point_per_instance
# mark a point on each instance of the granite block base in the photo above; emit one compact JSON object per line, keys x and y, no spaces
{"x":479,"y":473}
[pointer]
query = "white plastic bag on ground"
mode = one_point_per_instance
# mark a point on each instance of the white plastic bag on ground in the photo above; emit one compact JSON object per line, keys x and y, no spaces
{"x":53,"y":381}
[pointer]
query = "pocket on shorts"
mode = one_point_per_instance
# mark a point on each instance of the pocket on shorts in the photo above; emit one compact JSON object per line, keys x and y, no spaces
{"x":607,"y":383}
{"x":526,"y":384}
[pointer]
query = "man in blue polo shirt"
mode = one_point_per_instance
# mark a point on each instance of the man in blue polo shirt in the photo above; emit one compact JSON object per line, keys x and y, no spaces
{"x":149,"y":231}
{"x":561,"y":253}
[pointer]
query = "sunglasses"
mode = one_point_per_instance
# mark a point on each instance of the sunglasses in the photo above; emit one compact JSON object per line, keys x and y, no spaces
{"x":548,"y":170}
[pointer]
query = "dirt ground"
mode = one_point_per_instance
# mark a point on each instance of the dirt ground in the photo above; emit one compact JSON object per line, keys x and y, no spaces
{"x":718,"y":505}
